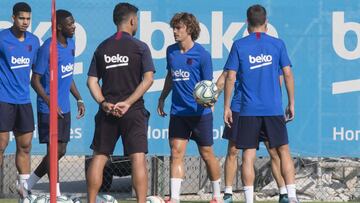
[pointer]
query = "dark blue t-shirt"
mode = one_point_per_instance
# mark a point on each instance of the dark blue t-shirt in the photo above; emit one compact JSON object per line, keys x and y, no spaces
{"x":16,"y":60}
{"x":187,"y":69}
{"x":258,"y":59}
{"x":65,"y":73}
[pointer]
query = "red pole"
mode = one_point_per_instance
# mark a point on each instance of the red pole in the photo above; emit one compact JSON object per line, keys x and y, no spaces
{"x":53,"y":106}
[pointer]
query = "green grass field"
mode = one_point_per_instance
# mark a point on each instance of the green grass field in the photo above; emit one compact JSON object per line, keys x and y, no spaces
{"x":122,"y":201}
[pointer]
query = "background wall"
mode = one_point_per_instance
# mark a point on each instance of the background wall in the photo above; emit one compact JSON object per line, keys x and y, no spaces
{"x":322,"y":39}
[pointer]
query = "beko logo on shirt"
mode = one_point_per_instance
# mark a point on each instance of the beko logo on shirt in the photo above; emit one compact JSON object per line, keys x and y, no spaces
{"x":119,"y":60}
{"x":180,"y":75}
{"x":264,"y":60}
{"x":20,"y":62}
{"x":68,"y":70}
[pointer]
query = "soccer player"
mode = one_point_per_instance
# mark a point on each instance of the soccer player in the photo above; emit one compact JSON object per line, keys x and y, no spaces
{"x":257,"y":59}
{"x":18,"y":50}
{"x":231,"y":157}
{"x":188,"y":63}
{"x":125,"y":66}
{"x":40,"y":81}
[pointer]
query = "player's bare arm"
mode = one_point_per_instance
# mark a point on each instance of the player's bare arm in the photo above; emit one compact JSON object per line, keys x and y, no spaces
{"x":229,"y":85}
{"x":165,"y":92}
{"x":220,"y":83}
{"x":123,"y":106}
{"x":80,"y":103}
{"x":289,"y":84}
{"x":95,"y":90}
{"x":36,"y":85}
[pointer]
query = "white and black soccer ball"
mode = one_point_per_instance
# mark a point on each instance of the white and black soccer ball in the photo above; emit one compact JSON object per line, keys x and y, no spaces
{"x":63,"y":199}
{"x":28,"y":199}
{"x":205,"y":92}
{"x":105,"y":199}
{"x":154,"y":199}
{"x":42,"y":199}
{"x":46,"y":199}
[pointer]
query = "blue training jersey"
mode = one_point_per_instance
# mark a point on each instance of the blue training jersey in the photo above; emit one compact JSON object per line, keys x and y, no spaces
{"x":16,"y":60}
{"x":258,"y":59}
{"x":236,"y":99}
{"x":187,"y":69}
{"x":65,"y":73}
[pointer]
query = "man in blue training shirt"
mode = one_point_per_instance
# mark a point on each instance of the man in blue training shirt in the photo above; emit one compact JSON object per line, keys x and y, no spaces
{"x":188,"y":63}
{"x":40,"y":81}
{"x":18,"y":50}
{"x":230,"y":134}
{"x":257,"y":59}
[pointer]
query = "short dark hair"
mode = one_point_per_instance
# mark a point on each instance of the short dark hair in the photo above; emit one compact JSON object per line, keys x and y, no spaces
{"x":61,"y":15}
{"x":190,"y":21}
{"x":256,"y":15}
{"x":122,"y":12}
{"x":21,"y":7}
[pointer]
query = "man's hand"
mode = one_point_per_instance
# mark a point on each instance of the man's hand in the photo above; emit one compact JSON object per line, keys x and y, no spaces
{"x":107,"y":107}
{"x":81,"y":109}
{"x":121,"y":108}
{"x":228,"y":117}
{"x":160,"y":108}
{"x":60,"y":113}
{"x":289,"y":113}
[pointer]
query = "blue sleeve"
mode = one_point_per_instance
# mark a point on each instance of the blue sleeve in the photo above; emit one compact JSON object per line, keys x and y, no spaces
{"x":147,"y":62}
{"x":43,"y":59}
{"x":281,"y":72}
{"x":168,"y":67}
{"x":284,"y":58}
{"x":206,"y":67}
{"x":36,"y":49}
{"x":233,"y":61}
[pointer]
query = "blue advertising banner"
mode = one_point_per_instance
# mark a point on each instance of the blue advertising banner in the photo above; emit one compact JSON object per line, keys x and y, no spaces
{"x":322,"y":39}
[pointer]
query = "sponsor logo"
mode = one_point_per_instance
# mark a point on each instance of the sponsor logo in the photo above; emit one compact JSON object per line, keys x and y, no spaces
{"x":261,"y":61}
{"x":180,"y":75}
{"x":20,"y":62}
{"x":117,"y":61}
{"x":339,"y":36}
{"x":67,"y":70}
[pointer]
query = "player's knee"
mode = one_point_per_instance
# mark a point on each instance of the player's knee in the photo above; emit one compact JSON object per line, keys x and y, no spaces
{"x":24,"y":148}
{"x":176,"y":153}
{"x":61,"y":152}
{"x":232,"y":153}
{"x":274,"y":155}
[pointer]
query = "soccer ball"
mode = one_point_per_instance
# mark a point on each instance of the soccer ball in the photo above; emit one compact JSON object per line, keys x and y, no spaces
{"x":46,"y":199}
{"x":63,"y":199}
{"x":154,"y":199}
{"x":42,"y":199}
{"x":28,"y":199}
{"x":205,"y":92}
{"x":105,"y":199}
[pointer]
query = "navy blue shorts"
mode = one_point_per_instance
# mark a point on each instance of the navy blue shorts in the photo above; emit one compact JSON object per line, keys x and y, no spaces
{"x":63,"y":127}
{"x":197,"y":128}
{"x":132,"y":128}
{"x":16,"y":117}
{"x":231,"y":133}
{"x":250,"y":127}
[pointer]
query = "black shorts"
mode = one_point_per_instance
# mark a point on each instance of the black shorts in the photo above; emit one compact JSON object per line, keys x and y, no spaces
{"x":132,"y":128}
{"x":63,"y":127}
{"x":250,"y":127}
{"x":197,"y":128}
{"x":16,"y":117}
